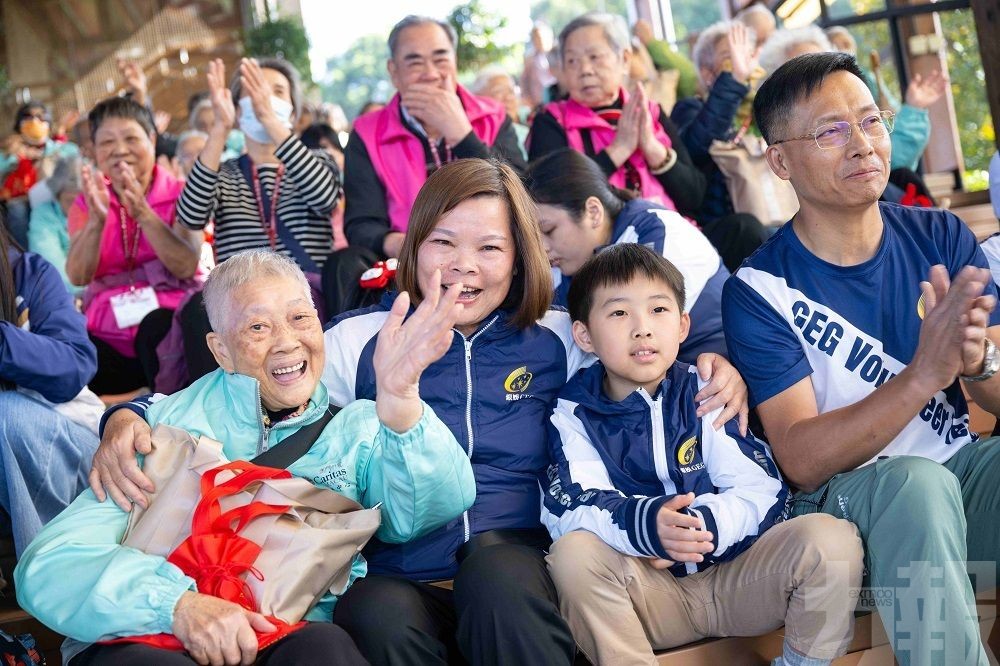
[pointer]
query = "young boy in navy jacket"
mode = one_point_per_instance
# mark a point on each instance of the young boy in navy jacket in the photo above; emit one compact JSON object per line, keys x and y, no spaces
{"x":654,"y":511}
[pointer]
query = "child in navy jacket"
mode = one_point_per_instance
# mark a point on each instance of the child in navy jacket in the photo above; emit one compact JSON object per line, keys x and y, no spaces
{"x":655,"y":511}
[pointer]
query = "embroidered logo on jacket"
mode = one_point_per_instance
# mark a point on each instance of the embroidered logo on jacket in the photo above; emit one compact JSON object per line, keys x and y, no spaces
{"x":685,"y":454}
{"x":517,"y":381}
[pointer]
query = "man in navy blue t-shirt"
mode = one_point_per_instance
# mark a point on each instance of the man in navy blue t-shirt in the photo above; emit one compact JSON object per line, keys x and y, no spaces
{"x":856,"y":327}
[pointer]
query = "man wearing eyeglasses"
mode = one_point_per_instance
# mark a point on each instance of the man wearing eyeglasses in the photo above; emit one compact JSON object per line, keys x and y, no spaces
{"x":856,"y":327}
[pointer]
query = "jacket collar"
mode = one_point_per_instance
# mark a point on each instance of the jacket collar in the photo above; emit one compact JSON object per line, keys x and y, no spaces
{"x":242,"y":401}
{"x":586,"y":388}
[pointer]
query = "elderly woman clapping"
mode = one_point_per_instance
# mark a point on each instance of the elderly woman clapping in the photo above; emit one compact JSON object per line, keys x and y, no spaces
{"x":630,"y":137}
{"x":269,"y":343}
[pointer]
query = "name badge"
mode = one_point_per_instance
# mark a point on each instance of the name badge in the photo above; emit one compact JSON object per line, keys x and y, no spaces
{"x":131,"y":306}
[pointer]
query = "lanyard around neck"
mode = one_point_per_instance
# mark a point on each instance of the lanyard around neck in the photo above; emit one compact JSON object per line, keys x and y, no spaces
{"x":268,"y":222}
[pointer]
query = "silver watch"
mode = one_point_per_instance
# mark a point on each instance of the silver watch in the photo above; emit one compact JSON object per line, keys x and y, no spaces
{"x":991,"y":363}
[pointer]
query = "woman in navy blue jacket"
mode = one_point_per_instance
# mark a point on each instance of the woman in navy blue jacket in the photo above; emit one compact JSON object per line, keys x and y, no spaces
{"x":48,"y":419}
{"x":510,"y":356}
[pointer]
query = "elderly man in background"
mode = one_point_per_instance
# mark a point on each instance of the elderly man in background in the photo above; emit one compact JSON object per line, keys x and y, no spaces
{"x":431,"y":120}
{"x":393,"y":452}
{"x":760,"y":20}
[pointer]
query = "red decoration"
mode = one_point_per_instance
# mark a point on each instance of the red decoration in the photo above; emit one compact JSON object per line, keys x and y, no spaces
{"x":911,"y":198}
{"x":379,"y":275}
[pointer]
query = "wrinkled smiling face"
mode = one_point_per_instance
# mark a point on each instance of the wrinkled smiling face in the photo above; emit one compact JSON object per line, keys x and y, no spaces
{"x":274,"y":335}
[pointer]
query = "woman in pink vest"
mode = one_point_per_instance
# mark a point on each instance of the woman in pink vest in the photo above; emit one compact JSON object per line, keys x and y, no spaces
{"x":629,"y":137}
{"x":125,"y":248}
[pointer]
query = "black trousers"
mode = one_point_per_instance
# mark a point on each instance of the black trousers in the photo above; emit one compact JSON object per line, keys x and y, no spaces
{"x":318,"y":643}
{"x":194,"y":328}
{"x":339,"y":280}
{"x":119,"y":374}
{"x":503,"y":610}
{"x":735,"y":237}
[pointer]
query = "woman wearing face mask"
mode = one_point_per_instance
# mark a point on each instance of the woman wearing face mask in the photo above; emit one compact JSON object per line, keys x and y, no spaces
{"x":125,"y":249}
{"x":580,"y":213}
{"x":26,"y":157}
{"x":278,"y":195}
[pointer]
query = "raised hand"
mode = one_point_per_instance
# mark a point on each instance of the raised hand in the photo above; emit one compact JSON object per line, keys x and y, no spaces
{"x":161,"y":119}
{"x":133,"y":196}
{"x":951,"y":335}
{"x":680,"y":534}
{"x":221,"y":96}
{"x":95,"y":193}
{"x":925,"y":90}
{"x":405,"y":349}
{"x":654,"y":152}
{"x":135,"y":80}
{"x":627,"y":132}
{"x":741,"y":51}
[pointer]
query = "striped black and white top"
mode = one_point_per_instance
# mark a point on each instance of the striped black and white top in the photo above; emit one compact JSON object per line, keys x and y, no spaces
{"x":310,"y":188}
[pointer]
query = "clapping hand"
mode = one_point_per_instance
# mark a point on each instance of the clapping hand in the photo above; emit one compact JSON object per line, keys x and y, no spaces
{"x":259,"y":90}
{"x":133,"y":195}
{"x":406,"y":346}
{"x":221,"y":96}
{"x":135,"y":80}
{"x":95,"y":193}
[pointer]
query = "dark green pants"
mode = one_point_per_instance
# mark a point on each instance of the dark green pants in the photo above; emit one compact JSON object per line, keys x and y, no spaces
{"x":927,"y":528}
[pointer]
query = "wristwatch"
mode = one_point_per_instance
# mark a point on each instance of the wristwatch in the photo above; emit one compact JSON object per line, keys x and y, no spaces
{"x":991,"y":363}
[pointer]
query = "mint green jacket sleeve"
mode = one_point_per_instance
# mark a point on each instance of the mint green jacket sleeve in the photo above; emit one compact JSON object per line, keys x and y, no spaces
{"x":77,"y":579}
{"x":422,"y":477}
{"x":910,"y":135}
{"x":47,"y":236}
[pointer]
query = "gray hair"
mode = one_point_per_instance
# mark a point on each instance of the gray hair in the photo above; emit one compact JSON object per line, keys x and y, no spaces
{"x":775,"y":51}
{"x":703,"y":53}
{"x":755,"y":8}
{"x":614,"y":27}
{"x":184,"y":136}
{"x":486,"y":75}
{"x":65,"y":175}
{"x":412,"y":20}
{"x":240,"y":269}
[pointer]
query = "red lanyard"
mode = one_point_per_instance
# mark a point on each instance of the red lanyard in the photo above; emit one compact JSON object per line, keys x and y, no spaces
{"x":130,"y":256}
{"x":437,"y":156}
{"x":270,"y":226}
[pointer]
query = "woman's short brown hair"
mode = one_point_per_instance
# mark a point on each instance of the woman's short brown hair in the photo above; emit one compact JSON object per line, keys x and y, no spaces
{"x":531,"y":288}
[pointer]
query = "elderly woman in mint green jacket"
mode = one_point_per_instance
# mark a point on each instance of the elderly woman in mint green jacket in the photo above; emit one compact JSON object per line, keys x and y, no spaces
{"x":77,"y":578}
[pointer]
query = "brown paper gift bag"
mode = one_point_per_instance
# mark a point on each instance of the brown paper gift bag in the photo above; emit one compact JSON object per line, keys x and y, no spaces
{"x":306,"y":550}
{"x":752,"y":185}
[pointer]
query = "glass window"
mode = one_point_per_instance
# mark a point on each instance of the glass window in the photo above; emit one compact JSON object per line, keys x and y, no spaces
{"x":836,"y":9}
{"x":968,"y":86}
{"x":693,"y":16}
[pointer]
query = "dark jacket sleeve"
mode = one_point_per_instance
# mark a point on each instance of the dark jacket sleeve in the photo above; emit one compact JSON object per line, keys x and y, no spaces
{"x":684,"y":183}
{"x":366,"y":217}
{"x":546,"y":135}
{"x":55,"y":358}
{"x":504,"y":147}
{"x":701,"y":123}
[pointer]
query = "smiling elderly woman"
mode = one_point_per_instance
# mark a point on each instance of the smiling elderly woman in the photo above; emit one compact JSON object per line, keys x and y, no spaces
{"x":269,"y":344}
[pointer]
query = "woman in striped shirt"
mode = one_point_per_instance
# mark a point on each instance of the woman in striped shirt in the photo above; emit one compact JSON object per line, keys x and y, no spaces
{"x":279,"y":195}
{"x":238,"y":194}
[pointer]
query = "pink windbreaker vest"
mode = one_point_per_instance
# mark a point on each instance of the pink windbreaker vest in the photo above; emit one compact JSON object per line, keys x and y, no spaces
{"x":397,"y":155}
{"x":575,"y":117}
{"x":111,"y":279}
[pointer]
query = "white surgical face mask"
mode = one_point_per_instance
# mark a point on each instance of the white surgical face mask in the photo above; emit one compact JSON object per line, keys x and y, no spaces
{"x":249,"y":124}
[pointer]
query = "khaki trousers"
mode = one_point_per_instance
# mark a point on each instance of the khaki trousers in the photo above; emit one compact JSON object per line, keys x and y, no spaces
{"x":803,"y":573}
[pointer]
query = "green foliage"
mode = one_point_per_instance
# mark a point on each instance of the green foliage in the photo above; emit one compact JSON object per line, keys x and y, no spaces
{"x":282,"y":38}
{"x":691,"y":17}
{"x":358,"y":75}
{"x":557,"y":13}
{"x":477,"y":36}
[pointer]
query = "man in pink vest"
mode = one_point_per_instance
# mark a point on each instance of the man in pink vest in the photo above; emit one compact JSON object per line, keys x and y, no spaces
{"x":430,"y":121}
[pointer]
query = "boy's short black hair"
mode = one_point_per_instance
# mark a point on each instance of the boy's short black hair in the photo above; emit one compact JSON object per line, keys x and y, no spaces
{"x":617,"y":266}
{"x":121,"y":107}
{"x":775,"y":101}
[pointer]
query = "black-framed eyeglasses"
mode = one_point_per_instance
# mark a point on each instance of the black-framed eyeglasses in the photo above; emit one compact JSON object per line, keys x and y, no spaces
{"x":837,"y":134}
